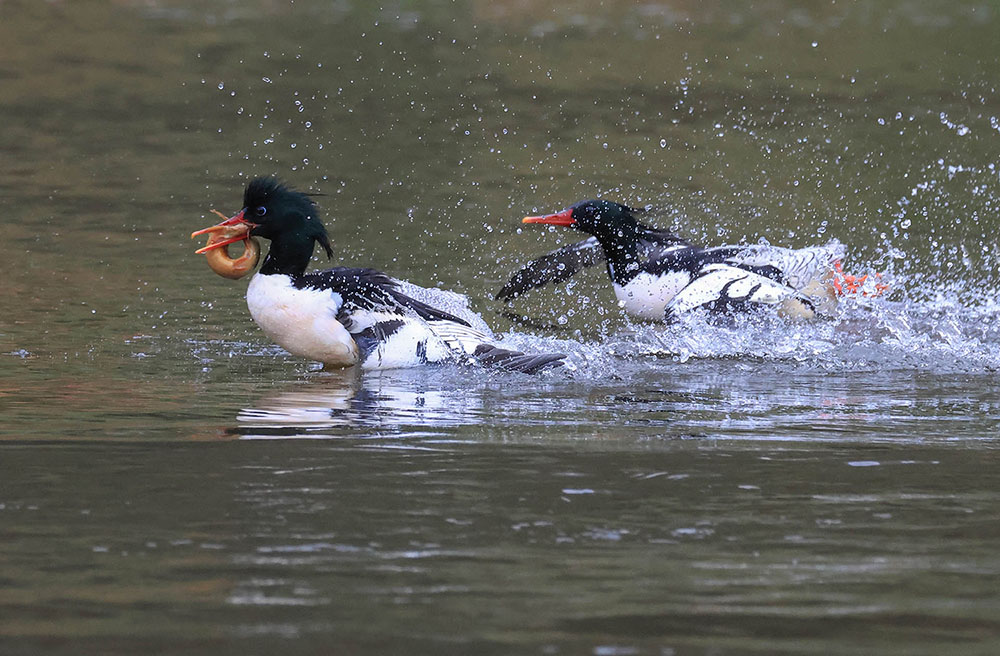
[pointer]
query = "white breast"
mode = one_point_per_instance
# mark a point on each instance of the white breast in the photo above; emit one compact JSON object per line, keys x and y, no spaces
{"x":302,"y":321}
{"x":646,"y":296}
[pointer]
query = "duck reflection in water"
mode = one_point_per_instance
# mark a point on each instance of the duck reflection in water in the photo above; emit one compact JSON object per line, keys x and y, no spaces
{"x":344,"y":399}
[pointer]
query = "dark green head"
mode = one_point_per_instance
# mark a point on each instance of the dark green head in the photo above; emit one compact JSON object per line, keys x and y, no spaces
{"x":612,"y":223}
{"x":283,"y":215}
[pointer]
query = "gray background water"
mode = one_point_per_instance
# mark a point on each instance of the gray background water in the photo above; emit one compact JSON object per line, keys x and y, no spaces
{"x":827,"y":489}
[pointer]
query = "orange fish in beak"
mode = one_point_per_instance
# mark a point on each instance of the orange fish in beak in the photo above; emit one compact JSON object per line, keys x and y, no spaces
{"x":221,"y":236}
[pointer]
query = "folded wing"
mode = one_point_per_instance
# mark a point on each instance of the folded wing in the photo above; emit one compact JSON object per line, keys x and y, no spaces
{"x":721,"y":287}
{"x":393,"y":329}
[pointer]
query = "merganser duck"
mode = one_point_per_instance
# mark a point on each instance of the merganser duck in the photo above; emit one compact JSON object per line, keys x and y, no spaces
{"x":342,"y":316}
{"x":658,"y":276}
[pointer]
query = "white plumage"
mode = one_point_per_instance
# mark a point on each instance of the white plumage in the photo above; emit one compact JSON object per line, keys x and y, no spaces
{"x":305,"y":323}
{"x":302,"y":321}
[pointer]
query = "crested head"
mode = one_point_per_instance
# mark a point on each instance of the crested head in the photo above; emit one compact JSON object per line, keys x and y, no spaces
{"x":283,"y":215}
{"x":613,"y":224}
{"x":616,"y":229}
{"x":261,"y":190}
{"x":603,"y":216}
{"x":290,"y":219}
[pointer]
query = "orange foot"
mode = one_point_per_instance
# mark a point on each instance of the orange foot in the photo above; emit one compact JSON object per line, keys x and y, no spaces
{"x":848,"y":285}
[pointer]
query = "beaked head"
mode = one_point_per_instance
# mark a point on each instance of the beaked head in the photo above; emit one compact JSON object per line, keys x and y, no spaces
{"x":612,"y":223}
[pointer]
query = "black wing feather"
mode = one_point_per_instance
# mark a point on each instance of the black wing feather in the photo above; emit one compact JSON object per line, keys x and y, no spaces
{"x":369,"y":289}
{"x":553,"y":267}
{"x":494,"y":356}
{"x":655,"y":242}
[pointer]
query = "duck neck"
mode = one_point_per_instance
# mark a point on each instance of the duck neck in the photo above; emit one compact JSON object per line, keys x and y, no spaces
{"x":288,"y":257}
{"x":622,"y":254}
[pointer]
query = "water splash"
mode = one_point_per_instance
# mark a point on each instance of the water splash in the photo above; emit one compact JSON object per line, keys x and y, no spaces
{"x":942,"y":335}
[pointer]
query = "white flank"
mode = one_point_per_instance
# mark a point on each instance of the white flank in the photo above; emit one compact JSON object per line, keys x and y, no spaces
{"x":304,"y":323}
{"x":646,"y":296}
{"x":402,"y":348}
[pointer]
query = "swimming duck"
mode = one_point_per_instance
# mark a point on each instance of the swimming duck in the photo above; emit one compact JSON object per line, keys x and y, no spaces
{"x":658,"y":276}
{"x":343,"y":316}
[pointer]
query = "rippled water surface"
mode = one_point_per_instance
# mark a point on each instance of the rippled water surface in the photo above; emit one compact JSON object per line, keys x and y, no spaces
{"x":171,"y":482}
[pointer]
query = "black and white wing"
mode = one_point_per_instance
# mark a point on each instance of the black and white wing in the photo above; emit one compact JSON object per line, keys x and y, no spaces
{"x":563,"y":263}
{"x":655,"y":243}
{"x":798,"y":266}
{"x":393,"y":329}
{"x":368,"y":291}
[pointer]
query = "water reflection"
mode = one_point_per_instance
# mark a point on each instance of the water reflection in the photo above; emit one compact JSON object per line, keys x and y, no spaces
{"x":351,"y":399}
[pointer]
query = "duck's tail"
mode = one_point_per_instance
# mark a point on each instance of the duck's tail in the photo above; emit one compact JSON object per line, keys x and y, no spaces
{"x":494,"y":356}
{"x":477,"y":347}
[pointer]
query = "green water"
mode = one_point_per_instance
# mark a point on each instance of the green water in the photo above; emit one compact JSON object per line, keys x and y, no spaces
{"x":171,"y":482}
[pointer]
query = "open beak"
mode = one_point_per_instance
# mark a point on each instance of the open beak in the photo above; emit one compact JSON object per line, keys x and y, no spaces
{"x":564,"y":218}
{"x":232,"y":230}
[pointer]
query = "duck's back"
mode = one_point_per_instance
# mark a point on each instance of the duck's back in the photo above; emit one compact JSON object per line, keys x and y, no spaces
{"x":799,"y":267}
